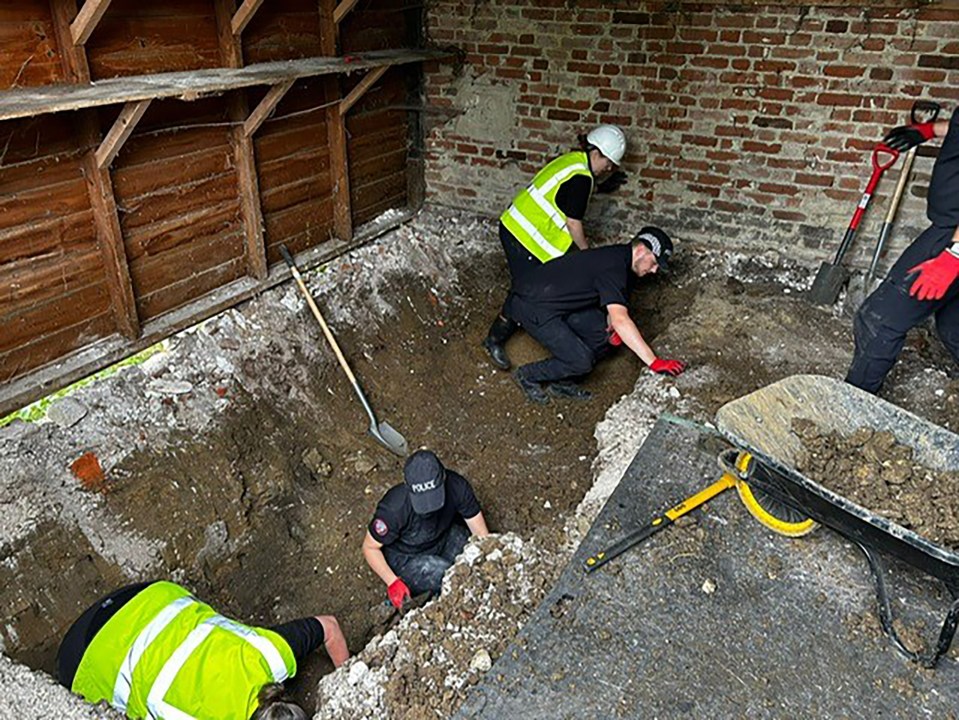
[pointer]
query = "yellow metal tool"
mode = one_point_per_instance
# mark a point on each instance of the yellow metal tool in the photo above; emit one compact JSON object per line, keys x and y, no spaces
{"x":660,"y":522}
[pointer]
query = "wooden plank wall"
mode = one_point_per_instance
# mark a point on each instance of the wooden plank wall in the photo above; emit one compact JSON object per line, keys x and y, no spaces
{"x":53,"y":294}
{"x":293,"y":161}
{"x":378,"y":125}
{"x":175,"y":180}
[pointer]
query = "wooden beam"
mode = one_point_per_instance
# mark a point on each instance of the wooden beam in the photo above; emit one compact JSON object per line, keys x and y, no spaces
{"x":243,"y":16}
{"x":343,"y":9}
{"x":106,"y":220}
{"x":124,"y":126}
{"x":193,"y":84}
{"x":244,"y":154}
{"x":336,"y":129}
{"x":267,"y":105}
{"x":360,"y":90}
{"x":87,"y":19}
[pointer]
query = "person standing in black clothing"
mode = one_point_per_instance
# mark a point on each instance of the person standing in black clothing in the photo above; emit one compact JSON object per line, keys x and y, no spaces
{"x":564,"y":306}
{"x":417,"y":530}
{"x":923,"y":280}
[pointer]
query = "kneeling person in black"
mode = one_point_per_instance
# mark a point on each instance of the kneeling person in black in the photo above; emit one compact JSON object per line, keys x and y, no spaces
{"x":564,"y":305}
{"x":416,"y":532}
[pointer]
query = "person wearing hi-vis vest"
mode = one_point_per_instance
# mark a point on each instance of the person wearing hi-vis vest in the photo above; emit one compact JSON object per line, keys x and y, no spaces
{"x":545,"y":218}
{"x":152,"y":650}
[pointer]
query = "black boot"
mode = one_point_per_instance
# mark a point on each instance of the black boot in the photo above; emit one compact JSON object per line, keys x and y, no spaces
{"x":500,"y":331}
{"x":569,"y":390}
{"x":533,"y":390}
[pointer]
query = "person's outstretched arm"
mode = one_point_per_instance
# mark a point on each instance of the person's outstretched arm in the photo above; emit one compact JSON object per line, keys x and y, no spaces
{"x":333,"y":640}
{"x":626,"y":329}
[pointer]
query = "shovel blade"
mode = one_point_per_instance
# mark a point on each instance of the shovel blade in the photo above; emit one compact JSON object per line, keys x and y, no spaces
{"x":389,"y":438}
{"x":828,"y":284}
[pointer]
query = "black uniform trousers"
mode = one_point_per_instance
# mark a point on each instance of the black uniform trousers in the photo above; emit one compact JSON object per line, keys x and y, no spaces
{"x":576,"y":340}
{"x":519,"y":260}
{"x":889,"y":313}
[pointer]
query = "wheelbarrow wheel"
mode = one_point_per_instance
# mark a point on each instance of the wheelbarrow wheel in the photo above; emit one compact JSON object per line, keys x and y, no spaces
{"x":774,"y":514}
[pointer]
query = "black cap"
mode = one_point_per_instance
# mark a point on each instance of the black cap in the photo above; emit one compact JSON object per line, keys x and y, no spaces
{"x":426,"y":478}
{"x":658,"y":242}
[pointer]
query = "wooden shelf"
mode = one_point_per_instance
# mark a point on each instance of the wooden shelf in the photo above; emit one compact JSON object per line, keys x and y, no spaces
{"x":194,"y":84}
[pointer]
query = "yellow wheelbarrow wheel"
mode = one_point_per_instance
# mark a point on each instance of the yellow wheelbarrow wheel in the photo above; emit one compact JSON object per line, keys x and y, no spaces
{"x":769,"y":511}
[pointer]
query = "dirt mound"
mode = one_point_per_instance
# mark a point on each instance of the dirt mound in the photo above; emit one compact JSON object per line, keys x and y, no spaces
{"x":873,"y":470}
{"x":424,"y":666}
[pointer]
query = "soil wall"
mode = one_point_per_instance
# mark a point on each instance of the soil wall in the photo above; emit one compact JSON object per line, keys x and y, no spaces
{"x":748,"y":125}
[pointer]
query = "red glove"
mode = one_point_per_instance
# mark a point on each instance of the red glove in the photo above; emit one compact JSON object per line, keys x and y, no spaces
{"x":906,"y":137}
{"x":935,"y":276}
{"x":613,"y":338}
{"x":667,"y":367}
{"x":398,"y":592}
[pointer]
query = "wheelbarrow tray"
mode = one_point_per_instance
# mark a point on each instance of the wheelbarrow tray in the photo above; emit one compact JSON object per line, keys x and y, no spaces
{"x":761,"y":423}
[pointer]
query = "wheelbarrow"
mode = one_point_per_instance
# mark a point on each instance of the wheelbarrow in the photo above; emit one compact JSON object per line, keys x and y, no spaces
{"x":759,"y":426}
{"x":761,"y":468}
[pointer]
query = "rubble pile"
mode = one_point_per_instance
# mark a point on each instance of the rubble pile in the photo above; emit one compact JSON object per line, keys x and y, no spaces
{"x":423,"y":667}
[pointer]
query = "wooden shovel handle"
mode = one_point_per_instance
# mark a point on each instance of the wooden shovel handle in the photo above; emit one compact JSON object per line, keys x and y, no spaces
{"x":318,"y":315}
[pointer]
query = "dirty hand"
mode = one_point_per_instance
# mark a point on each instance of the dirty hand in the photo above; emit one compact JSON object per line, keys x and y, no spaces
{"x":667,"y":367}
{"x":935,"y":276}
{"x":613,"y":183}
{"x":398,"y":593}
{"x":906,"y":137}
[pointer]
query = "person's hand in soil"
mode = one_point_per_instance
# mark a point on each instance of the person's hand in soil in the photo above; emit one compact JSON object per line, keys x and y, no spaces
{"x":398,"y":593}
{"x":667,"y":367}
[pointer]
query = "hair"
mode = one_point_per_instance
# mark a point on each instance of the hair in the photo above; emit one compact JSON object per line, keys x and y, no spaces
{"x":276,"y":704}
{"x":584,"y":145}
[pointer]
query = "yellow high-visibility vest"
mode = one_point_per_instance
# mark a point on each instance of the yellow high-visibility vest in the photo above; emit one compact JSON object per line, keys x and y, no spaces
{"x":534,"y":218}
{"x":167,"y":655}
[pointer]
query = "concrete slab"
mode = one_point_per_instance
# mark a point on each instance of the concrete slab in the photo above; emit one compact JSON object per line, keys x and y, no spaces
{"x":717,"y":617}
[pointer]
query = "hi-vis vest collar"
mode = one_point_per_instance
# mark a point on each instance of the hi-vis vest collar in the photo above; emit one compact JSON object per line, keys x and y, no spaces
{"x":163,"y":655}
{"x":534,"y":218}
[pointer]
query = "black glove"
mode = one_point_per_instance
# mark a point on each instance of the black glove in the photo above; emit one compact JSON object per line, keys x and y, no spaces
{"x":612,"y":183}
{"x":906,"y":137}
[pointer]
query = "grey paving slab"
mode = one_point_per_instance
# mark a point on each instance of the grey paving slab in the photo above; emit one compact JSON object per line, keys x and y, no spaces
{"x":715,"y":618}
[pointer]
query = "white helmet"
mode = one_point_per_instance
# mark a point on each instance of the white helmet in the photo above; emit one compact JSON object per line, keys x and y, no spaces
{"x":609,"y":140}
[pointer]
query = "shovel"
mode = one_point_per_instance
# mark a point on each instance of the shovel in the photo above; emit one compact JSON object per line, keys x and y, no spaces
{"x":832,"y":276}
{"x":381,"y":431}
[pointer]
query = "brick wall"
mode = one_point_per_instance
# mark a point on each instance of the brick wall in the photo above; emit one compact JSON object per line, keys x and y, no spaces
{"x":748,"y":125}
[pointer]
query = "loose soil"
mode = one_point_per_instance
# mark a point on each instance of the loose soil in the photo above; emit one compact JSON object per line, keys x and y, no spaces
{"x":264,"y":512}
{"x":880,"y":474}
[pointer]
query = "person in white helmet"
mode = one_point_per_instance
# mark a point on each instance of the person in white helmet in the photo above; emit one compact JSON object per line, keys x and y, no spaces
{"x":545,"y":218}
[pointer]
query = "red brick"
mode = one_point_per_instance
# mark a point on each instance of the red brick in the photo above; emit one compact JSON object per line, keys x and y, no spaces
{"x":753,"y":146}
{"x":583,"y":67}
{"x":839,"y":99}
{"x":817,"y":180}
{"x":844,"y":71}
{"x":726,"y":206}
{"x":789,"y":215}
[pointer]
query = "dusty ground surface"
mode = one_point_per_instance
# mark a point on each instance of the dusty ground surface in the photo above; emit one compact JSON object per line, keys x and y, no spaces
{"x":236,"y":461}
{"x":874,"y":471}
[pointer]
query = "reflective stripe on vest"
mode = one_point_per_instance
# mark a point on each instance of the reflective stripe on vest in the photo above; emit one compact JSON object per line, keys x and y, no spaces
{"x":535,"y":219}
{"x":124,"y":681}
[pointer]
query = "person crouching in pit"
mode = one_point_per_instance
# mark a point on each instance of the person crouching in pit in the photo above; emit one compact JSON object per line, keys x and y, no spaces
{"x":417,"y":530}
{"x":154,"y":650}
